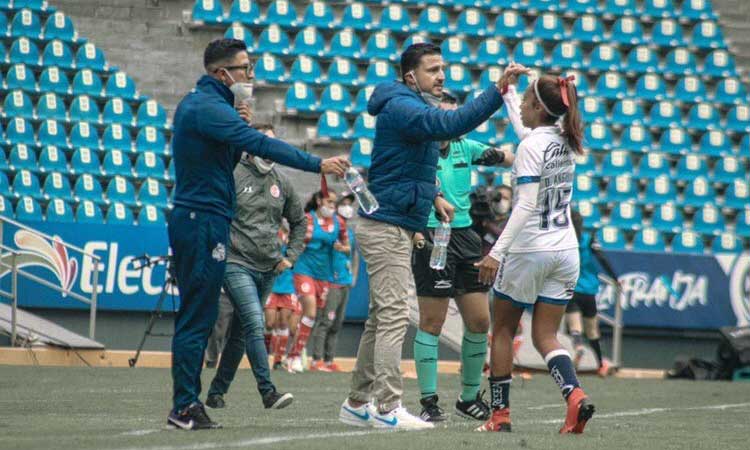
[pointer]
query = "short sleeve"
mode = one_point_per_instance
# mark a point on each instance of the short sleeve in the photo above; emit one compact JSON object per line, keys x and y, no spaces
{"x":528,"y":163}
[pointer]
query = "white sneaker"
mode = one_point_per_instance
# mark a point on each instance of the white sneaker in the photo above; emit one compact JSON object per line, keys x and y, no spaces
{"x":296,"y":365}
{"x":401,"y":419}
{"x":362,"y":416}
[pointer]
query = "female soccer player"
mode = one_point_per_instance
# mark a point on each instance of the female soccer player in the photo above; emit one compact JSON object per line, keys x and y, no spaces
{"x":535,"y":259}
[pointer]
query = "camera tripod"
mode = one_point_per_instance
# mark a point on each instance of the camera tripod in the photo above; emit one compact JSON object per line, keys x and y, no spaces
{"x":169,"y":281}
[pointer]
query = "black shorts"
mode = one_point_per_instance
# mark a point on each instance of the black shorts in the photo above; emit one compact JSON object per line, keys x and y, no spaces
{"x":583,"y":303}
{"x":459,"y":276}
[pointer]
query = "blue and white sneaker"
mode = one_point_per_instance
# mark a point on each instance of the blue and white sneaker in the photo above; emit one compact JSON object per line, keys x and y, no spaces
{"x":361,"y":416}
{"x":401,"y":419}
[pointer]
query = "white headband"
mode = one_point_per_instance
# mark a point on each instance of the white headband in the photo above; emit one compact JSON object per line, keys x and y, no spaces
{"x":539,"y":97}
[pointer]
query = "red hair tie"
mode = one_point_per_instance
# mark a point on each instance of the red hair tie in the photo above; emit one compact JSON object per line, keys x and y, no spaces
{"x":563,"y":83}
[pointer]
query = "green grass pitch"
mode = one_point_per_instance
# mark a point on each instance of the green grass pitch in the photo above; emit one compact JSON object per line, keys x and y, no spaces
{"x":79,"y":408}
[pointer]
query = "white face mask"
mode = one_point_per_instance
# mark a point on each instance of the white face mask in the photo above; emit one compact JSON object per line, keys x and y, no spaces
{"x":426,"y":96}
{"x":325,"y":211}
{"x":346,"y":211}
{"x":262,"y":165}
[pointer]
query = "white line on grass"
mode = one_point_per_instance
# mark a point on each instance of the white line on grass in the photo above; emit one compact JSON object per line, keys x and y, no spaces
{"x":646,"y":411}
{"x":547,"y":406}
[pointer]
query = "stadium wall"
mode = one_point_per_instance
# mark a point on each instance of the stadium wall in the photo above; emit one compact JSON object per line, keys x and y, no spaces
{"x":733,"y":18}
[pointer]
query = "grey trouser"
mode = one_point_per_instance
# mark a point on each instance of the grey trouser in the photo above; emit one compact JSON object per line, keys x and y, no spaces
{"x":387,"y":251}
{"x":218,"y":336}
{"x":328,"y":323}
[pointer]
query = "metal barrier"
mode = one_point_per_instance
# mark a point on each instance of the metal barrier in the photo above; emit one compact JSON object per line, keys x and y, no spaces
{"x":616,"y":322}
{"x":16,"y":271}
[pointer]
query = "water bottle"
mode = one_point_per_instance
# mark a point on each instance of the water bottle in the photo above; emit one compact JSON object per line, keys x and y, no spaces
{"x":439,"y":253}
{"x":356,"y":183}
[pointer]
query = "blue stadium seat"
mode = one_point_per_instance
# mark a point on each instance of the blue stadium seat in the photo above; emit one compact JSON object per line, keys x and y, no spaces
{"x":118,"y":111}
{"x":620,"y":7}
{"x":567,"y":55}
{"x":237,"y":31}
{"x":57,"y":53}
{"x":667,"y":218}
{"x":605,"y":58}
{"x":651,"y":87}
{"x":23,"y":51}
{"x":282,"y":13}
{"x":150,"y":165}
{"x":59,"y":26}
{"x":84,"y":135}
{"x":379,"y":72}
{"x":336,"y":98}
{"x":616,"y":163}
{"x":91,"y":57}
{"x":491,"y":51}
{"x":611,"y":238}
{"x":52,"y":159}
{"x":702,"y":116}
{"x":738,"y":119}
{"x":598,"y":136}
{"x":381,"y":45}
{"x":273,"y":40}
{"x":488,"y":77}
{"x":472,"y":22}
{"x":333,"y":125}
{"x":299,"y":97}
{"x":395,"y":18}
{"x":612,"y":85}
{"x":51,"y":106}
{"x":208,"y":11}
{"x":4,"y":167}
{"x":592,"y":217}
{"x":4,"y":185}
{"x":245,"y":12}
{"x":675,"y":141}
{"x":19,"y":131}
{"x":641,"y":59}
{"x":687,"y":241}
{"x":587,"y":28}
{"x":737,"y":194}
{"x":458,"y":79}
{"x":52,"y":132}
{"x":117,"y":136}
{"x":320,"y":15}
{"x":59,"y":211}
{"x":121,"y":190}
{"x":364,"y":126}
{"x":119,"y":214}
{"x":593,"y":109}
{"x":121,"y":85}
{"x":18,"y":104}
{"x":34,"y":5}
{"x":54,"y":80}
{"x":346,"y":43}
{"x":548,"y":26}
{"x":270,"y":69}
{"x":306,"y":70}
{"x":116,"y":163}
{"x":627,"y":31}
{"x":417,"y":38}
{"x":510,"y":24}
{"x":152,"y":192}
{"x":26,"y":23}
{"x":627,"y":112}
{"x":680,"y":62}
{"x":26,"y":183}
{"x":363,"y":96}
{"x":485,"y":133}
{"x":691,"y":166}
{"x":28,"y":210}
{"x":151,"y":216}
{"x":455,"y":50}
{"x":726,"y":242}
{"x":707,"y":34}
{"x":730,"y":91}
{"x":653,"y":165}
{"x":84,"y":109}
{"x":358,"y":17}
{"x":4,"y":31}
{"x":658,"y":9}
{"x":309,"y":42}
{"x":621,"y":188}
{"x":510,"y":136}
{"x":87,"y":187}
{"x":698,"y":192}
{"x":343,"y":72}
{"x":57,"y":186}
{"x":745,"y":146}
{"x":586,"y":164}
{"x":536,"y":6}
{"x":667,"y":33}
{"x":649,"y":240}
{"x":728,"y":169}
{"x":21,"y":157}
{"x":360,"y":153}
{"x":529,"y":53}
{"x":433,"y":20}
{"x":86,"y":82}
{"x":664,"y":115}
{"x":584,"y":6}
{"x":89,"y":212}
{"x":742,"y":225}
{"x":626,"y":215}
{"x":708,"y":220}
{"x":719,"y":63}
{"x":150,"y":139}
{"x":84,"y":161}
{"x":20,"y":77}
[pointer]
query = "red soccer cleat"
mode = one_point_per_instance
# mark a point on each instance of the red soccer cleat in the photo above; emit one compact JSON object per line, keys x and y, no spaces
{"x":333,"y":367}
{"x":605,"y":368}
{"x":579,"y":412}
{"x":318,"y":366}
{"x":499,"y":421}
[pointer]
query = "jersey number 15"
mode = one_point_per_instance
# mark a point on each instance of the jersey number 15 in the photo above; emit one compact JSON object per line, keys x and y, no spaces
{"x":554,"y":202}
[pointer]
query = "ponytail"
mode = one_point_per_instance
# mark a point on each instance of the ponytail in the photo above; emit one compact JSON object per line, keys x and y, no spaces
{"x":559,"y":98}
{"x":572,"y":124}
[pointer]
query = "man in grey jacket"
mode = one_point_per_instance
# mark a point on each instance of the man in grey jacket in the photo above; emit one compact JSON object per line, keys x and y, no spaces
{"x":264,"y":197}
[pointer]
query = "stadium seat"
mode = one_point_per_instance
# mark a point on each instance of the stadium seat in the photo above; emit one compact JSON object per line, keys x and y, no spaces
{"x":664,"y":114}
{"x":364,"y":127}
{"x":567,"y":55}
{"x":49,"y":106}
{"x":485,"y":133}
{"x":4,"y":166}
{"x":91,"y":57}
{"x":20,"y":77}
{"x":4,"y":185}
{"x":237,"y":31}
{"x":626,"y":215}
{"x":701,"y":117}
{"x":537,"y":6}
{"x":620,"y":7}
{"x":23,"y":51}
{"x":667,"y":33}
{"x":697,"y":9}
{"x":360,"y":153}
{"x":738,"y":119}
{"x":28,"y":210}
{"x":689,"y":90}
{"x":150,"y":139}
{"x":52,"y":159}
{"x":59,"y":211}
{"x":621,"y":188}
{"x":708,"y":220}
{"x":491,"y":51}
{"x":745,"y":146}
{"x":690,"y":167}
{"x":726,"y":242}
{"x":59,"y":26}
{"x":593,"y":109}
{"x":395,"y":18}
{"x":336,"y":98}
{"x":627,"y":30}
{"x":728,"y":169}
{"x":598,"y":136}
{"x":737,"y":194}
{"x":26,"y":183}
{"x":363,"y":96}
{"x":346,"y":44}
{"x":245,"y":12}
{"x":84,"y":135}
{"x":455,"y":50}
{"x":84,"y":109}
{"x":306,"y":70}
{"x":84,"y":161}
{"x":54,"y":80}
{"x":417,"y":38}
{"x":458,"y":79}
{"x":57,"y":53}
{"x":472,"y":22}
{"x":698,"y":192}
{"x":152,"y":192}
{"x":381,"y":45}
{"x":627,"y":112}
{"x":612,"y":85}
{"x":309,"y":42}
{"x":742,"y":225}
{"x":586,"y":164}
{"x":658,"y":9}
{"x":674,"y":141}
{"x":343,"y":72}
{"x":707,"y":35}
{"x":687,"y":241}
{"x":282,"y":13}
{"x":379,"y":72}
{"x":651,"y":87}
{"x":119,"y":214}
{"x":57,"y":186}
{"x":121,"y":85}
{"x":586,"y":188}
{"x":208,"y":11}
{"x":529,"y":53}
{"x":150,"y":165}
{"x":273,"y":40}
{"x":4,"y":31}
{"x":730,"y":91}
{"x":667,"y":218}
{"x":151,"y":216}
{"x":21,"y":157}
{"x":611,"y":238}
{"x":584,"y":6}
{"x":89,"y":212}
{"x":319,"y":15}
{"x":719,"y":63}
{"x":616,"y":163}
{"x":548,"y":26}
{"x":333,"y":125}
{"x":488,"y":77}
{"x":18,"y":104}
{"x":87,"y":187}
{"x":26,"y":23}
{"x":653,"y":165}
{"x":300,"y":98}
{"x":587,"y":28}
{"x":118,"y":111}
{"x":116,"y":163}
{"x":358,"y":17}
{"x":679,"y":62}
{"x":592,"y":217}
{"x":52,"y":132}
{"x":433,"y":20}
{"x":641,"y":59}
{"x":648,"y":240}
{"x":510,"y":24}
{"x":19,"y":131}
{"x":86,"y":82}
{"x":269,"y":69}
{"x":121,"y":190}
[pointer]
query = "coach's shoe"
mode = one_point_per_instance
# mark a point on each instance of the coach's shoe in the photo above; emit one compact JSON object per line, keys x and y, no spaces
{"x":215,"y":401}
{"x":360,"y":416}
{"x":579,"y":412}
{"x":193,"y":417}
{"x":277,"y":400}
{"x":476,"y":409}
{"x":400,"y":419}
{"x":431,"y":411}
{"x":499,"y":421}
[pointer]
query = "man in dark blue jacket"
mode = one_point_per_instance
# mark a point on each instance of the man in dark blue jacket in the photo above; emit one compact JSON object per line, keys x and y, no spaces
{"x":208,"y":140}
{"x":403,"y":179}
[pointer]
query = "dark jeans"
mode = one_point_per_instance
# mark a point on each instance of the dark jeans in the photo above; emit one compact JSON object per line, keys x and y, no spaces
{"x":247,"y":289}
{"x":220,"y":331}
{"x":328,"y":323}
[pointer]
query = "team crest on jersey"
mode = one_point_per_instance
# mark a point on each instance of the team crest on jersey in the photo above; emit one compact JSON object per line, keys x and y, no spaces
{"x":305,"y":288}
{"x":219,"y":253}
{"x":275,"y":191}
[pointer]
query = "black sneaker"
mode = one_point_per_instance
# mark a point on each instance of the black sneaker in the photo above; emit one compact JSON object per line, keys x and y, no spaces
{"x":193,"y":417}
{"x":431,"y":411}
{"x":476,"y":409}
{"x":276,"y":400}
{"x":215,"y":401}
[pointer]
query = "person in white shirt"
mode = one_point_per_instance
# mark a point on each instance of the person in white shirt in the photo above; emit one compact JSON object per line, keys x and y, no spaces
{"x":535,"y":260}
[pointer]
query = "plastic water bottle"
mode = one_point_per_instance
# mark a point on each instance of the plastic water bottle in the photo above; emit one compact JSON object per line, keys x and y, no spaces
{"x":356,"y":183}
{"x":439,"y":253}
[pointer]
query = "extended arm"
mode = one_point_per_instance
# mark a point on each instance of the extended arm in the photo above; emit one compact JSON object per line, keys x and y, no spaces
{"x":295,"y":215}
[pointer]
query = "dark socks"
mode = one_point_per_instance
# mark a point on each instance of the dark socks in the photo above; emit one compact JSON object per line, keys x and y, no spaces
{"x":500,"y":392}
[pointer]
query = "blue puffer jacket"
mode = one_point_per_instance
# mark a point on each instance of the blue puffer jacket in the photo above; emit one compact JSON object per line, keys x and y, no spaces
{"x":405,"y":152}
{"x":208,"y":139}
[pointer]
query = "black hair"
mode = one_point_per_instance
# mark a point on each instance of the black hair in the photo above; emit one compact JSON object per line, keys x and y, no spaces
{"x":220,"y":50}
{"x":312,"y":204}
{"x":413,"y":54}
{"x":550,"y":90}
{"x":263,"y":127}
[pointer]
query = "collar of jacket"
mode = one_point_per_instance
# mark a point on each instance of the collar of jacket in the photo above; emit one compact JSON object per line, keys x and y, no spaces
{"x":250,"y":165}
{"x":211,"y":85}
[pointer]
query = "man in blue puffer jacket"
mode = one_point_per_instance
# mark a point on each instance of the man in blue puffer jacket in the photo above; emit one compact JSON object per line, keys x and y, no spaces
{"x":208,"y":140}
{"x":403,"y":179}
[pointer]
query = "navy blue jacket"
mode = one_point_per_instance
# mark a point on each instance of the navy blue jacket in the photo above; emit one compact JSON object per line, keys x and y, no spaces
{"x":208,"y":139}
{"x":402,"y":174}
